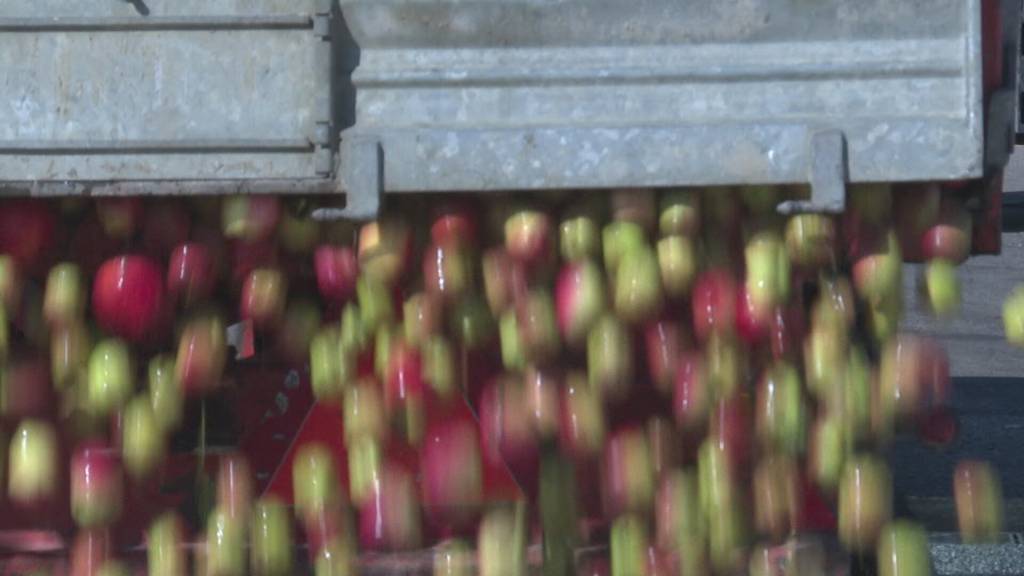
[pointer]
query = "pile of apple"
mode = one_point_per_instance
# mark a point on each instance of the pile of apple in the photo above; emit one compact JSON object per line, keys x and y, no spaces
{"x":668,"y":374}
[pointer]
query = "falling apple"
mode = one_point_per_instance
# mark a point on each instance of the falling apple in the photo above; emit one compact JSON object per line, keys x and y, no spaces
{"x":128,"y":297}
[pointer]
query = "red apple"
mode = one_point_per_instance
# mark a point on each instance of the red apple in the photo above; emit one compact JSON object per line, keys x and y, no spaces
{"x":506,"y":431}
{"x":915,"y":210}
{"x":96,"y":486}
{"x":336,"y":272}
{"x":250,"y":217}
{"x":128,"y":297}
{"x":452,"y":481}
{"x":580,"y":300}
{"x":390,"y":519}
{"x":454,"y":223}
{"x":913,"y":377}
{"x":120,"y":216}
{"x":714,"y":304}
{"x":263,"y":297}
{"x":950,"y":237}
{"x":191,"y":275}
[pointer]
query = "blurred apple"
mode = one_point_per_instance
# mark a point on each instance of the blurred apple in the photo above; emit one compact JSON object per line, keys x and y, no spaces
{"x":942,"y":287}
{"x":111,"y":377}
{"x":903,"y":550}
{"x":502,"y":284}
{"x":528,"y":235}
{"x":128,"y":297}
{"x":538,"y":327}
{"x":877,"y":272}
{"x":337,"y":270}
{"x":64,"y":301}
{"x":714,"y":304}
{"x":421,"y":318}
{"x":364,"y":411}
{"x":365,"y":466}
{"x":250,"y":217}
{"x":501,"y":548}
{"x":166,"y":547}
{"x":580,"y":300}
{"x":629,"y":544}
{"x":835,"y":303}
{"x":506,"y":432}
{"x":120,"y":216}
{"x":781,"y":416}
{"x":447,"y":271}
{"x":913,"y":375}
{"x":331,"y":365}
{"x":32,"y":468}
{"x":610,"y":358}
{"x":452,"y":473}
{"x":511,"y":341}
{"x":541,"y":387}
{"x":270,"y":538}
{"x":580,"y":232}
{"x":165,"y":396}
{"x":390,"y":518}
{"x":979,"y":501}
{"x":810,"y":240}
{"x":234,"y":486}
{"x":637,"y":288}
{"x":870,"y":202}
{"x":865,"y":502}
{"x":96,"y":487}
{"x":628,"y":473}
{"x":89,"y":551}
{"x":768,"y":277}
{"x":404,"y":390}
{"x":1013,"y":317}
{"x":69,"y":353}
{"x":335,"y":558}
{"x":827,"y":451}
{"x":166,"y":224}
{"x":10,"y":285}
{"x":721,"y":505}
{"x":582,"y":422}
{"x":677,"y":263}
{"x":191,"y":274}
{"x":376,"y":307}
{"x":439,"y":368}
{"x":472,"y":323}
{"x":453,"y":558}
{"x":691,"y":403}
{"x":225,"y":544}
{"x":680,"y":213}
{"x":298,"y":234}
{"x":776,"y":496}
{"x":27,"y":234}
{"x":384,"y":250}
{"x":454,"y":223}
{"x":354,"y":334}
{"x":679,"y":520}
{"x":950,"y":237}
{"x":113,"y":568}
{"x":618,"y":238}
{"x":264,"y":294}
{"x":314,"y":480}
{"x":825,"y":349}
{"x":202,"y":354}
{"x":915,"y":210}
{"x":663,"y":343}
{"x":142,"y":441}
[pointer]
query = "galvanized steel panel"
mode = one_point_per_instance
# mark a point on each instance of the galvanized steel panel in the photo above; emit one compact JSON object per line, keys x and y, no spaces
{"x":163,"y":90}
{"x":533,"y":94}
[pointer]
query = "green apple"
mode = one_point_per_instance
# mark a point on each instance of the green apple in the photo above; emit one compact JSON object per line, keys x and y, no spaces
{"x":617,"y":239}
{"x":979,"y":501}
{"x":680,"y":213}
{"x":336,"y":558}
{"x":165,"y":396}
{"x":942,"y":287}
{"x":827,"y":452}
{"x":142,"y":440}
{"x":510,"y":338}
{"x":32,"y":469}
{"x":330,"y":365}
{"x":69,"y":353}
{"x":421,"y":318}
{"x":680,"y":521}
{"x":538,"y":328}
{"x":375,"y":306}
{"x":903,"y":550}
{"x":314,"y":480}
{"x":865,"y":502}
{"x":110,"y":377}
{"x":678,"y":263}
{"x":113,"y":568}
{"x":637,"y":288}
{"x":768,"y":277}
{"x":64,"y":299}
{"x":579,"y":232}
{"x":10,"y":284}
{"x":270,"y":538}
{"x":471,"y":322}
{"x":365,"y":465}
{"x":776,"y":496}
{"x":629,"y":544}
{"x":439,"y":366}
{"x":225,"y":544}
{"x":610,"y":358}
{"x":1013,"y":317}
{"x":453,"y":558}
{"x":781,"y":417}
{"x":165,"y":547}
{"x":5,"y":337}
{"x":501,"y":542}
{"x":353,"y":334}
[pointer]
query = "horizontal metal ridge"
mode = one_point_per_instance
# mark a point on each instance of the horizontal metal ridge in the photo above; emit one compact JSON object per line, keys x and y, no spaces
{"x":156,"y":23}
{"x":39,"y":148}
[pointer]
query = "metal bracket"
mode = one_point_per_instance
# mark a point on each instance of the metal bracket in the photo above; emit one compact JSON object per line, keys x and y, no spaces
{"x":999,"y":131}
{"x":827,"y":174}
{"x":362,"y":177}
